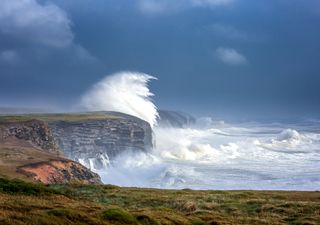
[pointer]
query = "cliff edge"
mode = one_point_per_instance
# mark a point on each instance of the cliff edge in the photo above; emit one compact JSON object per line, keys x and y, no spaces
{"x":50,"y":147}
{"x":28,"y":152}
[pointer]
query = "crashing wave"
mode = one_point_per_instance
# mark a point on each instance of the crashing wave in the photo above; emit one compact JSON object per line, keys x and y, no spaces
{"x":286,"y":140}
{"x":289,"y":135}
{"x":125,"y":92}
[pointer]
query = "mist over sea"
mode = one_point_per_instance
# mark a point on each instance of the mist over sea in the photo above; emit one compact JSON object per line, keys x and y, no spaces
{"x":209,"y":154}
{"x":225,"y":156}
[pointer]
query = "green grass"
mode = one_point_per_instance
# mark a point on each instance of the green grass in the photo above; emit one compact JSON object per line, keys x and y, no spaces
{"x":119,"y":215}
{"x":21,"y":187}
{"x":25,"y":203}
{"x":54,"y":117}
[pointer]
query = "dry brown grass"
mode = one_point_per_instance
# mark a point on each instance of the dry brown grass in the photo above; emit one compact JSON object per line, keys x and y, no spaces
{"x":107,"y":204}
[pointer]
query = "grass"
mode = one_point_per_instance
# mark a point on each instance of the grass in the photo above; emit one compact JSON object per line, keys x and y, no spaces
{"x":20,"y":187}
{"x":119,"y":215}
{"x":25,"y":203}
{"x":54,"y":117}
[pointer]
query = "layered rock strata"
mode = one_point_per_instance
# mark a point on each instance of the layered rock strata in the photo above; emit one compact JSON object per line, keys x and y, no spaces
{"x":95,"y":142}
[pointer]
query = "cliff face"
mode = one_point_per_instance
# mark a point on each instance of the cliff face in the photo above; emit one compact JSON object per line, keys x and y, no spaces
{"x":95,"y":142}
{"x":28,"y":151}
{"x":20,"y":159}
{"x":93,"y":139}
{"x":36,"y":132}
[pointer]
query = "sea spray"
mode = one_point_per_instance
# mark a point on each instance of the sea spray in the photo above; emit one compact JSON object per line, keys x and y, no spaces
{"x":211,"y":154}
{"x":224,"y":156}
{"x":125,"y":92}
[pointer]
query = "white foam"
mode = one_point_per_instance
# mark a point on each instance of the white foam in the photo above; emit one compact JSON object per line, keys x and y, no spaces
{"x":287,"y":139}
{"x":210,"y":155}
{"x":125,"y":92}
{"x":228,"y":156}
{"x":289,"y":135}
{"x":183,"y":144}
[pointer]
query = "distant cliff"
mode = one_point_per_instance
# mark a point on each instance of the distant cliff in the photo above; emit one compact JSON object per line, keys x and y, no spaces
{"x":175,"y":119}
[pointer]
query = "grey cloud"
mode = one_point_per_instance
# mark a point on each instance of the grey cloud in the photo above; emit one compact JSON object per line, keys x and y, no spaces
{"x":35,"y":23}
{"x":37,"y":32}
{"x":231,"y":56}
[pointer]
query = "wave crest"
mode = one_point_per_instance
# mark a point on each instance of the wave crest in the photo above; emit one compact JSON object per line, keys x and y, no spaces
{"x":289,"y":135}
{"x":125,"y":92}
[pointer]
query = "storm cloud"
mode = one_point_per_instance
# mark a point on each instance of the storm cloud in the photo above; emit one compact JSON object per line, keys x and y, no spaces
{"x":208,"y":55}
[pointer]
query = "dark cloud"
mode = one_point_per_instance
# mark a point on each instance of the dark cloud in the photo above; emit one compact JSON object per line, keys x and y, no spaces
{"x":30,"y":22}
{"x":31,"y":32}
{"x":63,"y":47}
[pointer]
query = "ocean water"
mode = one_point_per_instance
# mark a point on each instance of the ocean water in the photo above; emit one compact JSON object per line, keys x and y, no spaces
{"x":219,"y":155}
{"x":210,"y":154}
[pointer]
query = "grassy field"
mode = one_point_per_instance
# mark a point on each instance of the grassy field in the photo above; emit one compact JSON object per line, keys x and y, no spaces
{"x":26,"y":203}
{"x":54,"y":117}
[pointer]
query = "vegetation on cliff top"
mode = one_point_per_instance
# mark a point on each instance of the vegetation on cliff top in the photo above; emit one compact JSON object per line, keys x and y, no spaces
{"x":25,"y":203}
{"x":54,"y":117}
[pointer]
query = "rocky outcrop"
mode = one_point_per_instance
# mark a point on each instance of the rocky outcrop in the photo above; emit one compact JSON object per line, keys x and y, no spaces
{"x":95,"y":142}
{"x":20,"y":159}
{"x":35,"y":132}
{"x":93,"y":139}
{"x":59,"y":171}
{"x":28,"y":151}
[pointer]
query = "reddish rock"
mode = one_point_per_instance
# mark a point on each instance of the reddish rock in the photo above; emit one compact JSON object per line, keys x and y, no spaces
{"x":28,"y":150}
{"x":59,"y":171}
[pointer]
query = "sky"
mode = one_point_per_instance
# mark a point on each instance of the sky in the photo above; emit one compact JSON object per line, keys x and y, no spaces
{"x":214,"y":57}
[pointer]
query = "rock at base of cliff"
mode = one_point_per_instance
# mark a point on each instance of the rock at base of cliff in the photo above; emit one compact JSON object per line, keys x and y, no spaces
{"x":60,"y":171}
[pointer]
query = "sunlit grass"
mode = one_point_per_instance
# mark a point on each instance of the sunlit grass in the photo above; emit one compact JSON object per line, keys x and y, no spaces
{"x":107,"y":204}
{"x":54,"y":117}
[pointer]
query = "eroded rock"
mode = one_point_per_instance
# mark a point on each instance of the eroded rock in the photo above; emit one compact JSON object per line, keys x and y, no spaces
{"x":59,"y":171}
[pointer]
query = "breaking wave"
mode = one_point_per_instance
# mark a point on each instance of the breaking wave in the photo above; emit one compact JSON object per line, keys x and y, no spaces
{"x":125,"y":92}
{"x":210,"y":154}
{"x":224,"y":156}
{"x":289,"y":135}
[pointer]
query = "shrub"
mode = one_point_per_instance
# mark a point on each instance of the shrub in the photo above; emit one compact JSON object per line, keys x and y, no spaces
{"x":146,"y":220}
{"x":119,"y":215}
{"x":22,"y":187}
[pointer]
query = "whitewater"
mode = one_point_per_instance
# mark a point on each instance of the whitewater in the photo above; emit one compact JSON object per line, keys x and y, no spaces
{"x":209,"y":154}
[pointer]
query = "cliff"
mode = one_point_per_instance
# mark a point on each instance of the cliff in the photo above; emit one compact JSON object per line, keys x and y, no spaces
{"x":93,"y":139}
{"x":36,"y":132}
{"x":175,"y":119}
{"x":95,"y":142}
{"x":21,"y":159}
{"x":28,"y":151}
